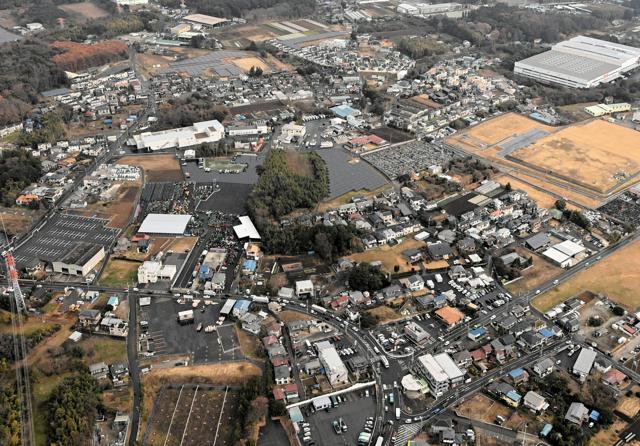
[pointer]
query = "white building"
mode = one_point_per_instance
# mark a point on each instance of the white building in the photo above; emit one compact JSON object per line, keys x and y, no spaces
{"x":584,"y":363}
{"x":168,"y":224}
{"x":440,"y":371}
{"x":255,"y":129}
{"x":199,"y":133}
{"x":564,"y":253}
{"x":334,"y":368}
{"x":293,"y":130}
{"x":580,"y":62}
{"x":304,"y":288}
{"x":131,"y":2}
{"x":152,"y":270}
{"x":80,"y":260}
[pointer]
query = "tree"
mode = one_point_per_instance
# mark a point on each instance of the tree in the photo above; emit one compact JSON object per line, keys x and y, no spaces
{"x":366,"y":277}
{"x":255,"y":71}
{"x":618,"y":310}
{"x":508,"y":187}
{"x":561,"y":205}
{"x":197,"y":41}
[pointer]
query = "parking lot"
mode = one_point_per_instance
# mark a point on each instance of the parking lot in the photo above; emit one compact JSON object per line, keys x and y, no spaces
{"x":59,"y":234}
{"x":248,"y":176}
{"x":354,"y":411}
{"x":167,"y":337}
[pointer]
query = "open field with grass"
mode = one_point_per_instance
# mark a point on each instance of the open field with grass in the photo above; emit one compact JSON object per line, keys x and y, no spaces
{"x":540,"y":272}
{"x":250,"y":345}
{"x":287,"y":316}
{"x":390,"y":256}
{"x":610,"y":435}
{"x":346,"y":198}
{"x":385,"y":314}
{"x":120,"y":273}
{"x":616,"y":276}
{"x":298,"y":163}
{"x":103,"y":348}
{"x":590,"y":153}
{"x":157,"y":168}
{"x":17,"y":220}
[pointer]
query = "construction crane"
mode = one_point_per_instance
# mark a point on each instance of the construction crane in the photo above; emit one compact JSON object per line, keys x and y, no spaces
{"x":23,"y":383}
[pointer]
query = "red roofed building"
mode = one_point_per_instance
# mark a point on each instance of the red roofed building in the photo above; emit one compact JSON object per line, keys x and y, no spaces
{"x":614,"y":378}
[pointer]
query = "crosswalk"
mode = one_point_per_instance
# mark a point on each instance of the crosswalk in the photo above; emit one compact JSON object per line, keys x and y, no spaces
{"x":406,"y":432}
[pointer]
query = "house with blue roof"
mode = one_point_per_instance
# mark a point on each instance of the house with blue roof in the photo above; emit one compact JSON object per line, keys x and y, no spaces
{"x":546,"y":429}
{"x":205,"y":272}
{"x":344,"y":111}
{"x":594,"y":415}
{"x":477,"y":333}
{"x":518,"y":376}
{"x":249,"y":267}
{"x":546,"y":333}
{"x":113,"y":301}
{"x":512,"y":398}
{"x":241,"y":307}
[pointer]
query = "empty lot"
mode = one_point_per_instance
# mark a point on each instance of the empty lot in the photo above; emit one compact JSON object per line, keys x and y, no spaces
{"x":191,"y":415}
{"x":616,"y":276}
{"x":598,"y":154}
{"x":157,"y":168}
{"x":495,"y":130}
{"x":390,"y":256}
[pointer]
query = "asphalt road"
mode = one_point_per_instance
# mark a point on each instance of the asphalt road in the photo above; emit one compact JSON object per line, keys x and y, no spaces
{"x":132,"y":356}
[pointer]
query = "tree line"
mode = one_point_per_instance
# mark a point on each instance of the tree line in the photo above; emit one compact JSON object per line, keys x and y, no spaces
{"x":239,"y":8}
{"x":18,"y":169}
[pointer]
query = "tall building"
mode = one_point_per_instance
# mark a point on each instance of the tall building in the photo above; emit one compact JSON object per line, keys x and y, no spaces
{"x":580,"y":62}
{"x":440,"y":372}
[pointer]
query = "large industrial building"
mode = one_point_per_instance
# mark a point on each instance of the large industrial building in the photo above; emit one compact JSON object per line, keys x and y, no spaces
{"x":80,"y":260}
{"x":165,"y":224}
{"x":580,"y":62}
{"x":440,"y":371}
{"x":199,"y":133}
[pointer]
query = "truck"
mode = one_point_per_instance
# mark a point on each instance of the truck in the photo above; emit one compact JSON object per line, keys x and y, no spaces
{"x":364,"y":438}
{"x":384,"y":361}
{"x":438,"y":278}
{"x":397,"y":413}
{"x":260,"y":299}
{"x":185,"y":317}
{"x":319,"y":309}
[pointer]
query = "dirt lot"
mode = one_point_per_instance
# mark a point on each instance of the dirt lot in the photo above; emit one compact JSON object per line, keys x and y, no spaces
{"x":616,"y":277}
{"x":610,"y":435}
{"x":591,"y":153}
{"x":298,"y":163}
{"x":84,"y":11}
{"x":385,"y":314}
{"x":390,"y":256}
{"x":481,"y":407}
{"x":120,"y":273}
{"x":289,"y":316}
{"x":17,"y":220}
{"x":249,"y":344}
{"x":629,"y":405}
{"x":246,"y":63}
{"x":157,"y":168}
{"x":118,"y":210}
{"x":494,"y":130}
{"x":164,"y":244}
{"x":539,"y":273}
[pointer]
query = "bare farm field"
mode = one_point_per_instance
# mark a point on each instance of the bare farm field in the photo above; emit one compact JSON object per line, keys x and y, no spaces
{"x":17,"y":220}
{"x":598,"y":154}
{"x":493,"y":131}
{"x":540,"y":272}
{"x":84,"y":10}
{"x":117,"y":211}
{"x":191,"y":415}
{"x":157,"y":168}
{"x":245,"y":64}
{"x":616,"y":276}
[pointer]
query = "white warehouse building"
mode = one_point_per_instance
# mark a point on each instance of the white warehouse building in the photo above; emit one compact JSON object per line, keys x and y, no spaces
{"x":198,"y":133}
{"x":580,"y":62}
